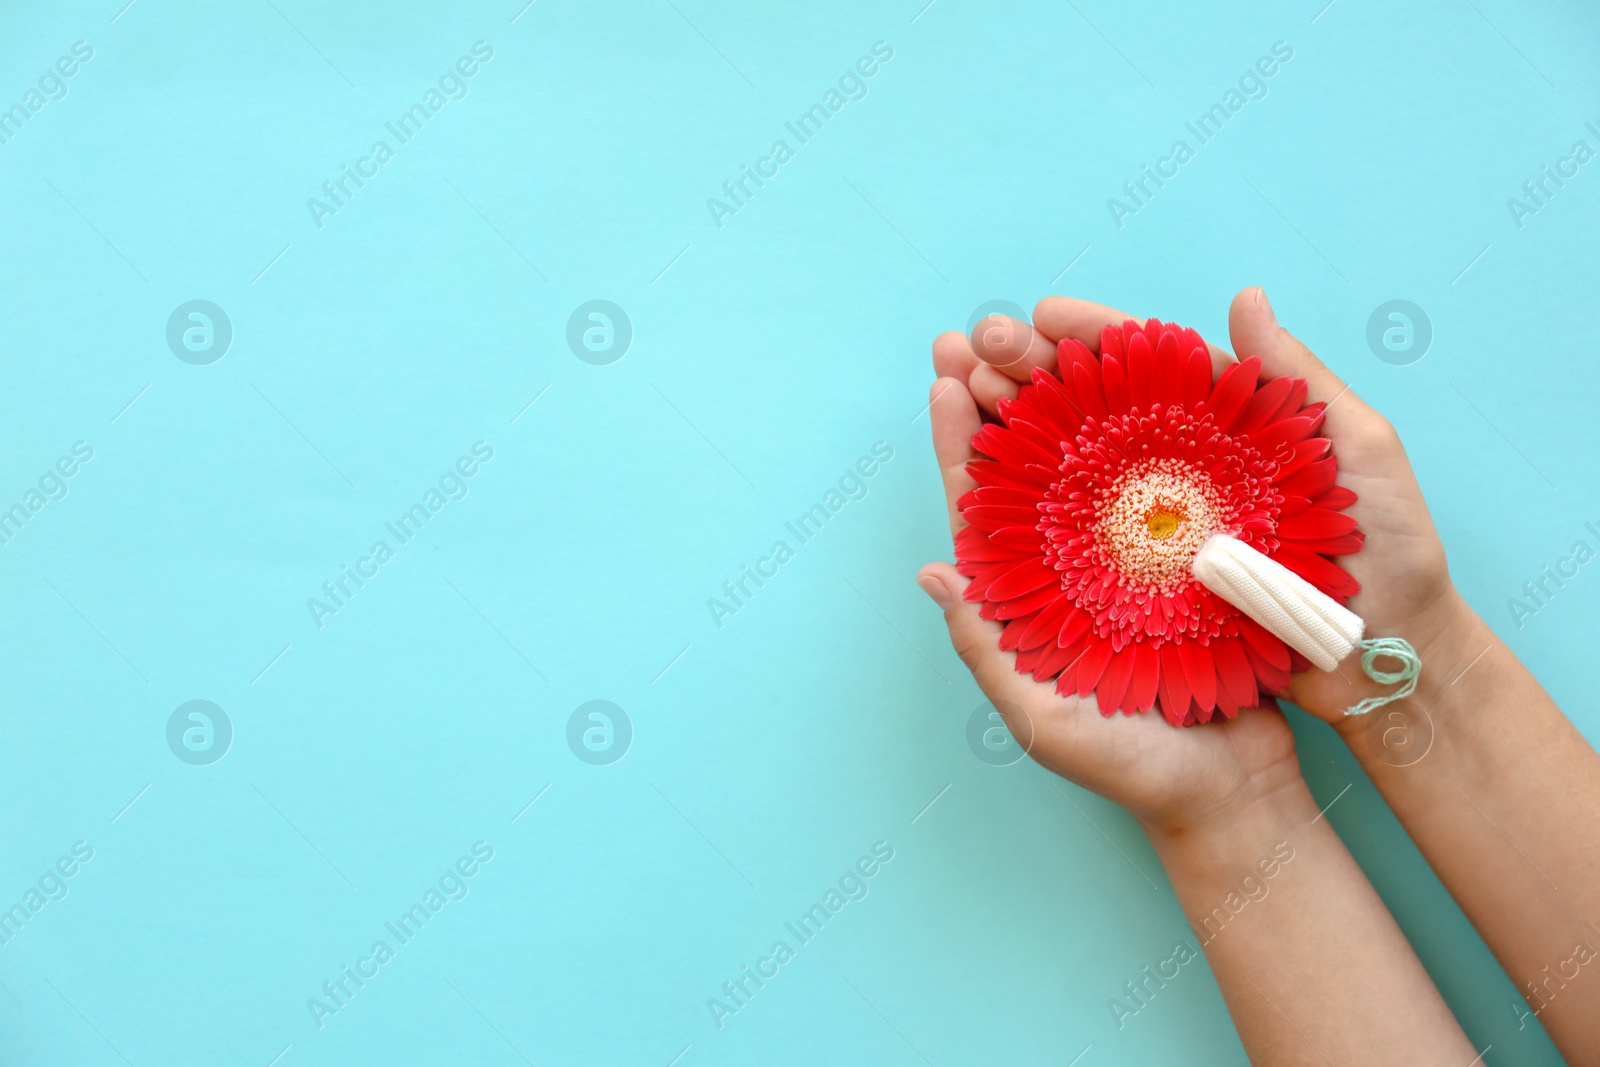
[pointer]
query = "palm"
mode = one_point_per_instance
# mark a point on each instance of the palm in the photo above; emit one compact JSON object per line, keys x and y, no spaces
{"x":1140,"y":761}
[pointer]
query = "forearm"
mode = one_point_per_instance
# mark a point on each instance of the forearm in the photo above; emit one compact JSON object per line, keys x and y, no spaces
{"x":1502,"y":796}
{"x":1312,"y":966}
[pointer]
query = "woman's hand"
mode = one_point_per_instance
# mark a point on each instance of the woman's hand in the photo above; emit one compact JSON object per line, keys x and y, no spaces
{"x":1169,"y":778}
{"x":1405,"y":584}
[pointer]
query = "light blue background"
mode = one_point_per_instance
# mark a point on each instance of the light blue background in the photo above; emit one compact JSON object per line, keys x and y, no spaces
{"x":768,"y":355}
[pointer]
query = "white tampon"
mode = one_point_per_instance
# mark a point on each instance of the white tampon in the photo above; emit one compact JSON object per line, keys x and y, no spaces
{"x":1302,"y":616}
{"x":1305,"y":618}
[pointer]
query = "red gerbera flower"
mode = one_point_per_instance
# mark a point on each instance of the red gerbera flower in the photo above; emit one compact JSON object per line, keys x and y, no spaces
{"x":1102,"y":484}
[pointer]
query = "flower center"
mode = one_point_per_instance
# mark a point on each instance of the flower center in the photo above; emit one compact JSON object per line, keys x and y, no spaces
{"x":1155,"y":520}
{"x":1163,"y":524}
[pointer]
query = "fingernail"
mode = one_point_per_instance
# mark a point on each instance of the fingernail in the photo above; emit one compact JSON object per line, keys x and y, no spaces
{"x":1265,"y":304}
{"x":936,"y":590}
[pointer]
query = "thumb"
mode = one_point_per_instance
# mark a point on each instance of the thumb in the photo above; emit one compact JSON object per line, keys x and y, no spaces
{"x":1347,"y":420}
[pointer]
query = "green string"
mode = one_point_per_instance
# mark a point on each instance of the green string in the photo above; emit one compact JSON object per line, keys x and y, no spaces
{"x":1394,"y":648}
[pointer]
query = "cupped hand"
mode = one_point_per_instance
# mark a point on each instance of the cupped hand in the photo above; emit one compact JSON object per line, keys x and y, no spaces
{"x":1405,"y":583}
{"x":1169,"y":776}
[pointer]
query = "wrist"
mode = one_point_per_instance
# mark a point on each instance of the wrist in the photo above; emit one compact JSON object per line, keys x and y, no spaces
{"x":1235,"y":833}
{"x":1455,"y":647}
{"x":1448,"y":636}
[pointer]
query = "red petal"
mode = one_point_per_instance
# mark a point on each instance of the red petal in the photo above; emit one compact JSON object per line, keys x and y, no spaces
{"x":1316,"y":522}
{"x":973,"y":543}
{"x":1070,"y":350}
{"x":982,"y":574}
{"x":1322,"y":573}
{"x":1196,"y":377}
{"x":1044,"y":626}
{"x":1345,"y":545}
{"x":1316,"y":479}
{"x":1233,"y":668}
{"x":1227,"y":707}
{"x":1282,"y":434}
{"x":1073,"y":628}
{"x":1200,"y":671}
{"x":1305,"y":452}
{"x":995,"y":517}
{"x":1115,"y":380}
{"x":1270,"y":678}
{"x":1336,"y":499}
{"x":1268,"y":644}
{"x":1141,"y":370}
{"x":999,"y":494}
{"x":1233,"y":389}
{"x":1291,"y":404}
{"x":1087,"y":386}
{"x":973,"y":560}
{"x":1047,"y":432}
{"x":1093,"y":665}
{"x":1067,"y":683}
{"x":1068,"y":412}
{"x":1025,"y":577}
{"x":1012,"y":448}
{"x":1260,"y":407}
{"x":1111,"y":342}
{"x":1291,"y":505}
{"x":1033,"y":476}
{"x":1029,"y":604}
{"x":1053,"y":659}
{"x":1114,"y":683}
{"x":1141,"y":695}
{"x":1168,"y":385}
{"x":1174,"y":690}
{"x":1018,"y":540}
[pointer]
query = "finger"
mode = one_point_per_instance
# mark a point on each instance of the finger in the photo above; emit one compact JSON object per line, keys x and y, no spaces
{"x":1255,"y":332}
{"x":953,"y":356}
{"x":1012,"y":346}
{"x":977,"y":641}
{"x":955,"y":419}
{"x":1061,"y":317}
{"x":990,"y":386}
{"x":1067,"y":734}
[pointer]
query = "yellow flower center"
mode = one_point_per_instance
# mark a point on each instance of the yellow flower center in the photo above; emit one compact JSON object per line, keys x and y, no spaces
{"x":1163,"y":524}
{"x":1154,"y":521}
